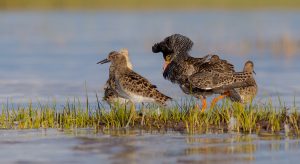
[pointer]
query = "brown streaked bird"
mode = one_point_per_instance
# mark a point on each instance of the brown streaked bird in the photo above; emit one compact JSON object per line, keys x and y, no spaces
{"x":247,"y":94}
{"x":199,"y":77}
{"x":110,"y":94}
{"x":132,"y":86}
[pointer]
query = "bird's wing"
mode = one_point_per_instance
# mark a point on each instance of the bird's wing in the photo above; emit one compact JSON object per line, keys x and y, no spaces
{"x":197,"y":61}
{"x":209,"y":80}
{"x":234,"y":96}
{"x":213,"y":73}
{"x":136,"y":84}
{"x":215,"y":65}
{"x":221,"y":82}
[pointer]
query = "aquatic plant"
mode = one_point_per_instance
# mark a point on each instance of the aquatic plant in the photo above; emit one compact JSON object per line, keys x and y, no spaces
{"x":183,"y":116}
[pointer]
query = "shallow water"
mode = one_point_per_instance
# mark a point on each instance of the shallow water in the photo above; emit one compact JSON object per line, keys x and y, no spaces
{"x":136,"y":146}
{"x":52,"y":55}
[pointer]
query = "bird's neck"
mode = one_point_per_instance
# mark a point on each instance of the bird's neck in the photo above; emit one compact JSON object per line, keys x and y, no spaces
{"x":122,"y":68}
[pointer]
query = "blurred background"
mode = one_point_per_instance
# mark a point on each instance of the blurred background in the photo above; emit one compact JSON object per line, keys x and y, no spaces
{"x":49,"y":49}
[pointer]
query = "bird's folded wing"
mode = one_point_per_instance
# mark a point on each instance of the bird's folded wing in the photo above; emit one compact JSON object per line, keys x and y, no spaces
{"x":234,"y":96}
{"x":136,"y":84}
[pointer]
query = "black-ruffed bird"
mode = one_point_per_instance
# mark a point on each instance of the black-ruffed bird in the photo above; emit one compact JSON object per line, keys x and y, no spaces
{"x":199,"y":77}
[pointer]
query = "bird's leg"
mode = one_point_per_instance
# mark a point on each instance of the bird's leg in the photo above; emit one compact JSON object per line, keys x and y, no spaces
{"x":204,"y":105}
{"x":216,"y":99}
{"x":143,"y":115}
{"x":132,"y":110}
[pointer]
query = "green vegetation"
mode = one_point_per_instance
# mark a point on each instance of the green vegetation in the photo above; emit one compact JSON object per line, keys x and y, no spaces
{"x":185,"y":117}
{"x":154,"y":4}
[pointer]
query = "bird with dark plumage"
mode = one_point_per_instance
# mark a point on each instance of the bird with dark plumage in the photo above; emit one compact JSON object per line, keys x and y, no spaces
{"x":130,"y":85}
{"x":247,"y":94}
{"x":199,"y":77}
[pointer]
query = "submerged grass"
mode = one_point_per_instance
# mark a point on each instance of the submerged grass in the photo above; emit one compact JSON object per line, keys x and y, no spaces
{"x":181,"y":117}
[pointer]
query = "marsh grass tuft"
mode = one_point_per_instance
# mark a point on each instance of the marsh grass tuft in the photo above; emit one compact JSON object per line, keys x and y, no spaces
{"x":185,"y":117}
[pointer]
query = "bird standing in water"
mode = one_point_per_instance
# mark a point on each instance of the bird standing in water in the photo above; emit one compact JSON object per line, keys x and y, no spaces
{"x":247,"y":94}
{"x":110,"y":94}
{"x":199,"y":77}
{"x":132,"y":86}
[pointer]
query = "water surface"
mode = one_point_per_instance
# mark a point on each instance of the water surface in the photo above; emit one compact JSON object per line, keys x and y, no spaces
{"x":52,"y":55}
{"x":137,"y":146}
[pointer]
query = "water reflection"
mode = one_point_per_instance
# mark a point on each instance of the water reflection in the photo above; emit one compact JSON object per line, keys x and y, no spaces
{"x":226,"y":148}
{"x":203,"y":148}
{"x":137,"y":146}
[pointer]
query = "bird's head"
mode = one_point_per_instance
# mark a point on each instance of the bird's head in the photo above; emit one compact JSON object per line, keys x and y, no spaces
{"x":116,"y":58}
{"x":173,"y":47}
{"x":249,"y":67}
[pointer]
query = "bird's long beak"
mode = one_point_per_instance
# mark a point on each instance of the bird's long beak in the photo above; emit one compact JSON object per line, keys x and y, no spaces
{"x":103,"y":61}
{"x":254,"y":72}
